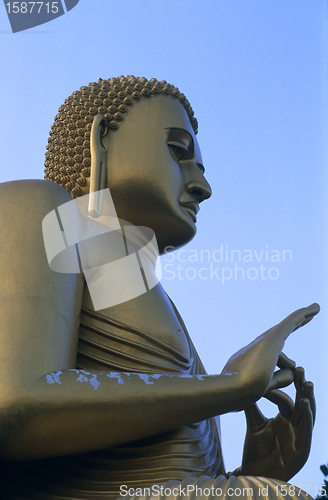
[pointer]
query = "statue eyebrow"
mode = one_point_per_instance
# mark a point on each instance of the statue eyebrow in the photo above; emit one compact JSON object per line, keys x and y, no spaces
{"x":174,"y":135}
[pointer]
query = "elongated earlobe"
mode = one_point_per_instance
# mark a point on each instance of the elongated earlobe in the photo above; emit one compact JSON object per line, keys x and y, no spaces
{"x":98,"y":165}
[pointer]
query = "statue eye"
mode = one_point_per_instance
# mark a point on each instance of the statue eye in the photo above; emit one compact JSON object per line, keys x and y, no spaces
{"x":179,"y":152}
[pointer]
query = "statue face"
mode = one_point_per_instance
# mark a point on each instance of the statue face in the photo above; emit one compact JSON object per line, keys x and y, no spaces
{"x":155,"y":172}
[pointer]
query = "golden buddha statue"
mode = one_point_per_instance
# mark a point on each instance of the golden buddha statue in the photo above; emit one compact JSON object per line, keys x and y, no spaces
{"x":101,"y":404}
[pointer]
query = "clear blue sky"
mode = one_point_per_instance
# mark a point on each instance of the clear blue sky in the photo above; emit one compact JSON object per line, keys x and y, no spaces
{"x":255,"y":72}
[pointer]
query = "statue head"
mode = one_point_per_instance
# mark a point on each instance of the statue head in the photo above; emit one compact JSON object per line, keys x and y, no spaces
{"x":68,"y":158}
{"x":150,"y":160}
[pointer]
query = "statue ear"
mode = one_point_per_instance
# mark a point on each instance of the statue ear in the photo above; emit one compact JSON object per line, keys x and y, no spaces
{"x":98,"y":165}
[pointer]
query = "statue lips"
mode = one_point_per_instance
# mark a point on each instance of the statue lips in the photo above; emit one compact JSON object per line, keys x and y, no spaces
{"x":191,"y":208}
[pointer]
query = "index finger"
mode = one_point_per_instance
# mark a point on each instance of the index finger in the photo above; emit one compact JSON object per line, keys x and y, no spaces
{"x":282,"y":400}
{"x":285,"y":363}
{"x":308,"y":313}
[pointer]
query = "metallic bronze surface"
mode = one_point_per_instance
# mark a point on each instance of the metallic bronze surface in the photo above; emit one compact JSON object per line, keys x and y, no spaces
{"x":94,"y":400}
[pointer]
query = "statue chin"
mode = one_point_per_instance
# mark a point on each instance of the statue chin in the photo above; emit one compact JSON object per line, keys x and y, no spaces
{"x":173,"y":224}
{"x":176,"y":241}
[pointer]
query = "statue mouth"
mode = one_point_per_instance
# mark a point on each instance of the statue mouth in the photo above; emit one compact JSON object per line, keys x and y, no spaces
{"x":191,"y":209}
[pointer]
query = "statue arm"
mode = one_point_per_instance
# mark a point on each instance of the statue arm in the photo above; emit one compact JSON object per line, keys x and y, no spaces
{"x":73,"y":411}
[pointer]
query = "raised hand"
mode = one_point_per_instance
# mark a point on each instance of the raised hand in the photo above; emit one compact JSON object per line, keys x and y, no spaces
{"x":255,"y":364}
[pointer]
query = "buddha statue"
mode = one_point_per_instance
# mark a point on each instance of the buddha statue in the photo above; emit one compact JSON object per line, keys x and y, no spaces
{"x":100,"y":404}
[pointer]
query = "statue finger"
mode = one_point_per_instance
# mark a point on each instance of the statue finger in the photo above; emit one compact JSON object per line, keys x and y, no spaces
{"x":299,"y":380}
{"x":302,"y":323}
{"x":285,"y":362}
{"x":255,"y":419}
{"x":297,"y":319}
{"x":308,"y":392}
{"x":282,"y":400}
{"x":281,"y":378}
{"x":302,"y":316}
{"x":303,"y":443}
{"x":312,"y":310}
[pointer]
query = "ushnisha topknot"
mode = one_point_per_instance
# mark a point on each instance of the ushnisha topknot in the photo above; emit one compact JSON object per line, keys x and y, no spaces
{"x":68,"y":158}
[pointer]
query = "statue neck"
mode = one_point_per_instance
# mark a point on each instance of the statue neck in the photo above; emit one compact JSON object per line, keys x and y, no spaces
{"x":141,"y":241}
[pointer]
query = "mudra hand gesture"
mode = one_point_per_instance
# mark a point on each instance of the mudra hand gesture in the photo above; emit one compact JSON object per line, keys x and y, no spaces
{"x":278,"y":447}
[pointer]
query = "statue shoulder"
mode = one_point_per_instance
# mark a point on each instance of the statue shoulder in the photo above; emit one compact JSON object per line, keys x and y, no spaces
{"x":36,"y":195}
{"x":40,"y":307}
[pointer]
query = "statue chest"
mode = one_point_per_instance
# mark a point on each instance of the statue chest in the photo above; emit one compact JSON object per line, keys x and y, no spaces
{"x":143,"y":334}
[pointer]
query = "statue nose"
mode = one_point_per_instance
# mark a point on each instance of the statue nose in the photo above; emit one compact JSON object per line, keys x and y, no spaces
{"x":199,"y":188}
